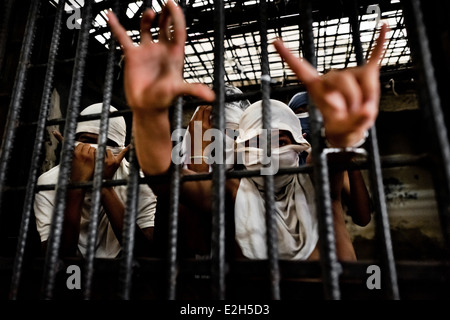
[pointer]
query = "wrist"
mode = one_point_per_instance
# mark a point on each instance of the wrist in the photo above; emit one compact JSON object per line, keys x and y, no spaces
{"x":199,"y":159}
{"x":149,"y":113}
{"x":354,"y":140}
{"x":106,"y":190}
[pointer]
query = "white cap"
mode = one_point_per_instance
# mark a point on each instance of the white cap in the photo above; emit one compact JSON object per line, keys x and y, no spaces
{"x":283,"y":118}
{"x":117,"y":127}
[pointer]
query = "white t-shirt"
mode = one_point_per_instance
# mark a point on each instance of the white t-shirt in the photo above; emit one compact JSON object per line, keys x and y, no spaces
{"x":107,"y":245}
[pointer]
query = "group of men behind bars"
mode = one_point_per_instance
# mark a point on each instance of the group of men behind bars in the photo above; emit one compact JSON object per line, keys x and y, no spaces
{"x":348,"y":103}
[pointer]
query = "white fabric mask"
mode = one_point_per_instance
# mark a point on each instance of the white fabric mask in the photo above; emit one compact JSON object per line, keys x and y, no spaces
{"x":282,"y":118}
{"x":284,"y":157}
{"x":294,"y":212}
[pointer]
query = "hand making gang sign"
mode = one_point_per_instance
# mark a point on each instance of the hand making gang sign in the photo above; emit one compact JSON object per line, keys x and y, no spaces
{"x":348,"y":99}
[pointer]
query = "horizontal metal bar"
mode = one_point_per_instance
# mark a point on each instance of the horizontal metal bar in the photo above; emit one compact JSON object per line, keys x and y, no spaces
{"x":408,"y":270}
{"x":393,"y":161}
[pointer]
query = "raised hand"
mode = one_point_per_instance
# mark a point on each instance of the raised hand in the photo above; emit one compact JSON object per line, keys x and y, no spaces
{"x":112,"y":162}
{"x":83,"y":163}
{"x":154,"y":70}
{"x":347,"y":99}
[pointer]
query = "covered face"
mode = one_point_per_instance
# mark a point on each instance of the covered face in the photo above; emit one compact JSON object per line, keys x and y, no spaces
{"x":283,"y":119}
{"x":293,"y":209}
{"x":299,"y":101}
{"x":117,"y":130}
{"x":252,"y":146}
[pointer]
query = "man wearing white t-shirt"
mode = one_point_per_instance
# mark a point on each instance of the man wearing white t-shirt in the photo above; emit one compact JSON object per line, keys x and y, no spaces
{"x":78,"y":208}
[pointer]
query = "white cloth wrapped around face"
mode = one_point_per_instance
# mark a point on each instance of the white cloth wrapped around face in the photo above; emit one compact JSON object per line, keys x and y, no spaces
{"x":295,"y":218}
{"x":117,"y":128}
{"x":106,"y":245}
{"x":115,"y":150}
{"x":295,"y":214}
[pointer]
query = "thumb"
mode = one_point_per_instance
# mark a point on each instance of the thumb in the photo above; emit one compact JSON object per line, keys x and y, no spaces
{"x":198,"y":90}
{"x":123,"y":153}
{"x":58,"y":136}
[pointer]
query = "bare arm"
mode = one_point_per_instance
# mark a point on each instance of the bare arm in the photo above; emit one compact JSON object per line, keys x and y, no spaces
{"x":357,"y":197}
{"x":153,"y":79}
{"x":82,"y":171}
{"x":115,"y":208}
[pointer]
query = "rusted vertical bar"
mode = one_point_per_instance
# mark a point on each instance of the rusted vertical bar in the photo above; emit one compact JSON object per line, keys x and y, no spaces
{"x":269,"y":192}
{"x":127,"y":263}
{"x":4,"y":29}
{"x":431,"y":106}
{"x":383,"y":232}
{"x":37,"y":153}
{"x":54,"y":240}
{"x":331,"y":268}
{"x":15,"y":105}
{"x":99,"y":165}
{"x":218,"y":175}
{"x":175,"y":182}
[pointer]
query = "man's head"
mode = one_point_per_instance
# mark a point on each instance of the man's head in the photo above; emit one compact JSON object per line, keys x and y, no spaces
{"x":234,"y":109}
{"x":88,"y":131}
{"x":286,"y":139}
{"x":299,"y":102}
{"x":284,"y":123}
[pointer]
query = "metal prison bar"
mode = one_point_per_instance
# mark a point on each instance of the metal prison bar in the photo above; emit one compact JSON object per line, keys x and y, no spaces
{"x":382,"y":223}
{"x":218,"y":178}
{"x":54,"y":240}
{"x":331,"y":268}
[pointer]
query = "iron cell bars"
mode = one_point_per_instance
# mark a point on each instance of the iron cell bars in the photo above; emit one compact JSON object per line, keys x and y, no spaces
{"x":331,"y":29}
{"x":226,"y":51}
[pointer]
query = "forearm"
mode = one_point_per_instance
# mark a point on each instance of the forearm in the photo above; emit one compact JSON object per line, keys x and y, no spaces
{"x":153,"y":142}
{"x":360,"y":202}
{"x":198,"y":167}
{"x":115,"y":210}
{"x":357,"y":185}
{"x":71,"y":225}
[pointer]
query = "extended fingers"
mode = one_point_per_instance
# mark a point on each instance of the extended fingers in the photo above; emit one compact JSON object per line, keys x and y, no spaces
{"x":123,"y":153}
{"x":119,"y":31}
{"x":378,"y":50}
{"x":178,"y":21}
{"x":146,"y":24}
{"x":198,"y":90}
{"x":85,"y":149}
{"x":172,"y":24}
{"x":58,"y":136}
{"x":304,"y":70}
{"x":164,"y":25}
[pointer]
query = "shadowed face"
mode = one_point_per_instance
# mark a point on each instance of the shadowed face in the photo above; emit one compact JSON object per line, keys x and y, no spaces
{"x":92,"y":138}
{"x":283,"y":137}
